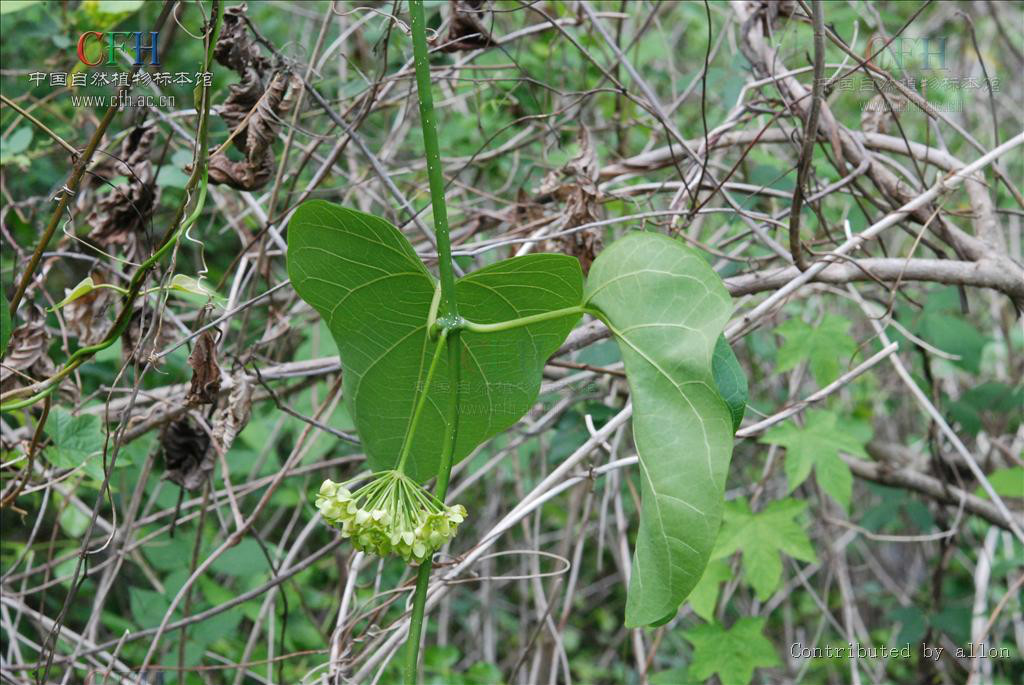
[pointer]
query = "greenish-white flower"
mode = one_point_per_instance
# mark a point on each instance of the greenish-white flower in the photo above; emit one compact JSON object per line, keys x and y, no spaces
{"x":390,"y":514}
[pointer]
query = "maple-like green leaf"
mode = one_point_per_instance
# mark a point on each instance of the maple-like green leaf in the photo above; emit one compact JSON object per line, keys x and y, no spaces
{"x":705,"y":595}
{"x":826,"y":346}
{"x":761,"y":537}
{"x":734,"y":653}
{"x":817,"y":445}
{"x":77,"y":441}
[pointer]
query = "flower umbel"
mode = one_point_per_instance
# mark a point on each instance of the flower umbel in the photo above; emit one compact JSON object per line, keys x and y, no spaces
{"x":390,"y":514}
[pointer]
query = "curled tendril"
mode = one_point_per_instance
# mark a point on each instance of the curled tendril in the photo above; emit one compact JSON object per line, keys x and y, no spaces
{"x":390,"y":514}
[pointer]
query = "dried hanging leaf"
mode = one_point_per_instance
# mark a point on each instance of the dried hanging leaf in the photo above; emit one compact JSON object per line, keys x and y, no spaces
{"x":26,"y":359}
{"x":252,"y":107}
{"x":205,"y":372}
{"x":26,"y":355}
{"x":185,"y":449}
{"x":257,"y":134}
{"x":120,"y":217}
{"x":27,"y":343}
{"x":466,"y":30}
{"x":235,"y":48}
{"x":580,"y":195}
{"x":234,"y":414}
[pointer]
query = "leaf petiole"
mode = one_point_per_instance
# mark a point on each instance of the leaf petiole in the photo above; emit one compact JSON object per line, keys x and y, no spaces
{"x":421,"y":401}
{"x":474,"y":327}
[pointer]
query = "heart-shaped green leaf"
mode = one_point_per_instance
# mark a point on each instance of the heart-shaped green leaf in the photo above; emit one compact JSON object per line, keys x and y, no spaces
{"x":667,"y":307}
{"x":364,"y":278}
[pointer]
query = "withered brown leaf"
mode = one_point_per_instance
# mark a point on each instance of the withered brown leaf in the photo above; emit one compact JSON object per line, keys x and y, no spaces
{"x":185,"y":449}
{"x":205,"y":372}
{"x":120,"y":217}
{"x":252,"y":109}
{"x":26,"y":355}
{"x":575,"y":184}
{"x":233,"y":415}
{"x":466,"y":30}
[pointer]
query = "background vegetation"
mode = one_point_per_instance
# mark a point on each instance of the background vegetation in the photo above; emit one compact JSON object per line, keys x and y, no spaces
{"x":876,"y":491}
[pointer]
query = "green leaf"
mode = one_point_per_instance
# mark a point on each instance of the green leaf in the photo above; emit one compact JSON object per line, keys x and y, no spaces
{"x":484,"y":673}
{"x":245,"y":559}
{"x":170,"y":176}
{"x":705,"y":595}
{"x":955,"y":335}
{"x":84,"y":287}
{"x":990,"y":405}
{"x":364,"y":278}
{"x":673,"y":676}
{"x":114,"y":6}
{"x":825,"y":346}
{"x":733,"y":654}
{"x":761,"y":537}
{"x":731,"y":382}
{"x":76,"y":440}
{"x":72,"y":521}
{"x":817,"y":445}
{"x":187,"y":284}
{"x":1008,"y":482}
{"x":666,"y":307}
{"x":12,"y":151}
{"x":18,"y":141}
{"x":6,"y":325}
{"x":9,"y":6}
{"x":148,"y":607}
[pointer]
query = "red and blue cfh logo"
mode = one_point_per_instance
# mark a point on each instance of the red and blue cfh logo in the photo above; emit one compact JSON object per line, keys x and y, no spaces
{"x":114,"y":40}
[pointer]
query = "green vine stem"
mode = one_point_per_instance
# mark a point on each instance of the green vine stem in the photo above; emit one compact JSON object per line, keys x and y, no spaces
{"x":449,"y":314}
{"x":428,"y":122}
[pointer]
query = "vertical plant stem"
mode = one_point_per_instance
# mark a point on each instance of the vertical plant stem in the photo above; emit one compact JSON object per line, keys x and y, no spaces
{"x":449,"y":314}
{"x":428,"y":123}
{"x":444,"y":472}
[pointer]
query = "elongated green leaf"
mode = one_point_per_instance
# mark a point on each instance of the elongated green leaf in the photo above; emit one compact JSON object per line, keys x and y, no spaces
{"x":362,"y":275}
{"x":6,"y":325}
{"x":667,"y":308}
{"x":84,"y":287}
{"x":731,"y":381}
